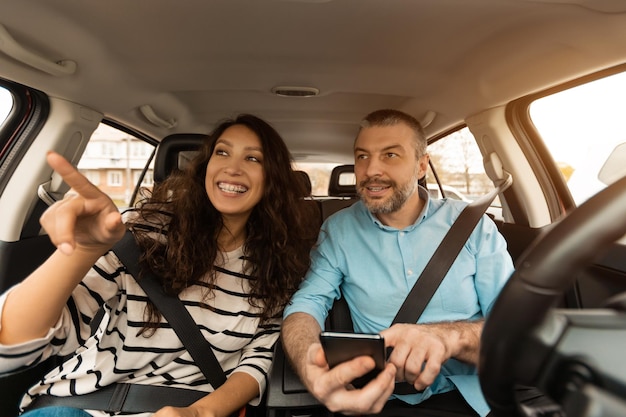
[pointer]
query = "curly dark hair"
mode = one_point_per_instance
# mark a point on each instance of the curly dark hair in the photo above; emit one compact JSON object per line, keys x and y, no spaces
{"x":280,"y":231}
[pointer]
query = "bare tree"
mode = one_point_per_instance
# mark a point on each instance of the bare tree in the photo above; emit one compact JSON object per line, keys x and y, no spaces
{"x":458,"y":162}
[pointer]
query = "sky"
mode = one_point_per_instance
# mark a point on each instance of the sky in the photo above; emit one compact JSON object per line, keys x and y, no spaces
{"x":587,"y":117}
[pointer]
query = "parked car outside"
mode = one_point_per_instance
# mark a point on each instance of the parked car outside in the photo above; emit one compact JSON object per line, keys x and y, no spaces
{"x":446,"y":191}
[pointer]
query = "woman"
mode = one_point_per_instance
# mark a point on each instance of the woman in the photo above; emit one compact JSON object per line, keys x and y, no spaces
{"x":230,"y":237}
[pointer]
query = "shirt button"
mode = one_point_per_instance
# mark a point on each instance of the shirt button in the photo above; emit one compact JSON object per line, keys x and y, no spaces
{"x":409,"y":272}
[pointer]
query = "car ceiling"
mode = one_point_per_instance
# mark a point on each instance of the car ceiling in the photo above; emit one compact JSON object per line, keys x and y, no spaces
{"x":195,"y":62}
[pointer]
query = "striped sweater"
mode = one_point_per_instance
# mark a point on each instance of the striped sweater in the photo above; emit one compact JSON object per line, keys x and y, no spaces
{"x":117,"y":353}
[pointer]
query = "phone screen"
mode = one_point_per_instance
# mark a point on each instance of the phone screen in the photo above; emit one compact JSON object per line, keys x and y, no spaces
{"x":340,"y":347}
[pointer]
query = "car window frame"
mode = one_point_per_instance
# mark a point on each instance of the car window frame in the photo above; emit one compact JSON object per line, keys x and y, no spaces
{"x":496,"y":208}
{"x":556,"y":192}
{"x":17,"y":132}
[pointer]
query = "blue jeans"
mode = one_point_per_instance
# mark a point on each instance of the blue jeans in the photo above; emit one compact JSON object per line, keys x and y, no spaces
{"x":56,"y":412}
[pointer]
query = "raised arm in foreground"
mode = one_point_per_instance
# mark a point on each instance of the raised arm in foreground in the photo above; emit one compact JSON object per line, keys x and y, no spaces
{"x":83,"y":226}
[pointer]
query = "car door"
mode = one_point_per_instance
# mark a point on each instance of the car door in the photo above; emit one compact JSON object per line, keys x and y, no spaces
{"x":117,"y":160}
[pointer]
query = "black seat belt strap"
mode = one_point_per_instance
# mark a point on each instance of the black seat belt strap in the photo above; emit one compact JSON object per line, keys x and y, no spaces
{"x":444,"y":256}
{"x":174,"y":312}
{"x":124,"y":398}
{"x":133,"y":398}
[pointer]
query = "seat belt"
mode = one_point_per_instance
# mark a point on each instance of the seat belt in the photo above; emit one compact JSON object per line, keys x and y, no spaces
{"x":445,"y":255}
{"x":171,"y":307}
{"x":134,"y":398}
{"x":46,"y":198}
{"x":439,"y":264}
{"x":173,"y":310}
{"x":176,"y":314}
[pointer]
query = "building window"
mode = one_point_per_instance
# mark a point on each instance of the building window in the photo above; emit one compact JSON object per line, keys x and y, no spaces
{"x":93,"y":176}
{"x":147,"y":181}
{"x":115,"y":178}
{"x":114,"y":160}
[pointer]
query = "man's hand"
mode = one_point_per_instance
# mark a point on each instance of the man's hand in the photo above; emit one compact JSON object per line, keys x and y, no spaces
{"x":87,"y":219}
{"x":419,"y":350}
{"x":300,"y":336}
{"x":332,"y":386}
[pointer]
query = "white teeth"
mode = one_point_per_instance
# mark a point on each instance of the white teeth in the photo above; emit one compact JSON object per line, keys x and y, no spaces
{"x":376,"y":188}
{"x":232,"y":188}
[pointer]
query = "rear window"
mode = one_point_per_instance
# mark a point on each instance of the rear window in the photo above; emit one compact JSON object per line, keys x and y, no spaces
{"x":319,"y":173}
{"x":456,"y":159}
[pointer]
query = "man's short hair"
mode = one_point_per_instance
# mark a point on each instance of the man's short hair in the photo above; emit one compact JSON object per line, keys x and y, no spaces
{"x":391,"y":117}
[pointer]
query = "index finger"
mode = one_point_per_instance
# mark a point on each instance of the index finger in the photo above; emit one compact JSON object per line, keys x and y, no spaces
{"x":71,"y":176}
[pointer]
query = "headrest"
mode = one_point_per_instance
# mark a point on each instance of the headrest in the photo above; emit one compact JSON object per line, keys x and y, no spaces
{"x":342,"y":182}
{"x":174,"y":152}
{"x":306,"y":180}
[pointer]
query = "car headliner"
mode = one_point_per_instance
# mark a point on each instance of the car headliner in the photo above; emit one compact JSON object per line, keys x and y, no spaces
{"x":195,"y":62}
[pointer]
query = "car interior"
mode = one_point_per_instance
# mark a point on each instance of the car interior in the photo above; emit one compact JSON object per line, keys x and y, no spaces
{"x":127,"y":90}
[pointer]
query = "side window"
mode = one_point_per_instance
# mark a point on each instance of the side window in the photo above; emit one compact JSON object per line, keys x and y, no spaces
{"x":6,"y":104}
{"x":115,"y":160}
{"x":459,"y":166}
{"x":589,"y":116}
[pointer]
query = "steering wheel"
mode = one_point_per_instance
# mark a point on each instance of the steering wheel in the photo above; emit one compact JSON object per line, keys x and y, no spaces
{"x":526,"y":341}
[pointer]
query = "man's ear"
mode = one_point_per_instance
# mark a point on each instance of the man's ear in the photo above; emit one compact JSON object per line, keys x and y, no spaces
{"x":423,"y":165}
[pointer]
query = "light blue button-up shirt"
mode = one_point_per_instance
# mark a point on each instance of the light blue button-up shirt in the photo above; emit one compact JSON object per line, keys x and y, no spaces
{"x":375,"y":266}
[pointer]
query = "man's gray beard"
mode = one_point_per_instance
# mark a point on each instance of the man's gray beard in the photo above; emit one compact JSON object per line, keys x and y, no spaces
{"x":394,"y":203}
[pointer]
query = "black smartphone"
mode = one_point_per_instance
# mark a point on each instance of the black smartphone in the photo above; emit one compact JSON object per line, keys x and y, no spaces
{"x":342,"y":346}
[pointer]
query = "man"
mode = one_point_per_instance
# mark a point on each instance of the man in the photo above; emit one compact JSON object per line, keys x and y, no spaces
{"x":372,"y":253}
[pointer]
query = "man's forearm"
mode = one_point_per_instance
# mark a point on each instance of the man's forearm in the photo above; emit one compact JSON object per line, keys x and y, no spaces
{"x":299,"y":331}
{"x":463,"y":338}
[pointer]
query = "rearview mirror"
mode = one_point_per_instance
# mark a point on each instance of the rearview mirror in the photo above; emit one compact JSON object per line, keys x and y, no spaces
{"x":614,"y":167}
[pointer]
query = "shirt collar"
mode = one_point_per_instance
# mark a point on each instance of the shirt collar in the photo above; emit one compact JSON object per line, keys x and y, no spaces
{"x":423,"y":194}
